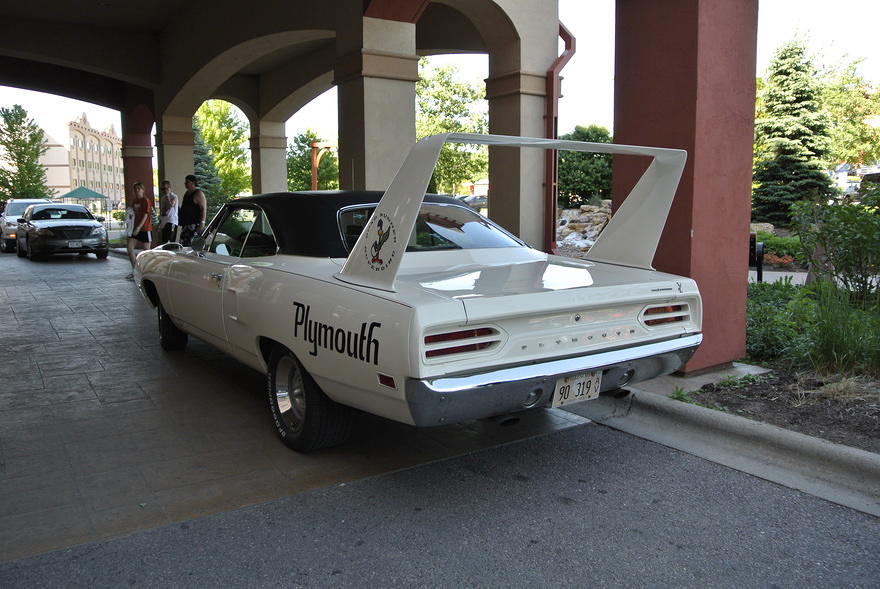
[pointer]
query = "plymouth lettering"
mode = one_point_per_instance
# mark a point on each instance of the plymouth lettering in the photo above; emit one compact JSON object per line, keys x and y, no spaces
{"x":358,"y":344}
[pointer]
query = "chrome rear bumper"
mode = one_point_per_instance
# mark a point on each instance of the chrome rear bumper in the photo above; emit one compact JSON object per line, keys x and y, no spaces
{"x":472,"y":396}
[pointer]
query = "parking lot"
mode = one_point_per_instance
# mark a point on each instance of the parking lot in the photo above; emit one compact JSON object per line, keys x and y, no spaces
{"x":103,"y":433}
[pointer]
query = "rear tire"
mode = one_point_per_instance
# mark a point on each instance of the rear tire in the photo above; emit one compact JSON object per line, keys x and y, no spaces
{"x":170,"y":337}
{"x":305,"y":418}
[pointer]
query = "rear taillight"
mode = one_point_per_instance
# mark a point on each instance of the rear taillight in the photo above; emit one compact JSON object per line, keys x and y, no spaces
{"x":459,"y":342}
{"x":665,"y":314}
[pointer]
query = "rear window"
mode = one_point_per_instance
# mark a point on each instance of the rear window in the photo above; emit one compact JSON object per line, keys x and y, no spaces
{"x":15,"y":209}
{"x":438,"y":227}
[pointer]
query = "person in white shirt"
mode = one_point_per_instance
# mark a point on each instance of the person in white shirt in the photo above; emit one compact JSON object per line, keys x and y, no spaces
{"x":167,"y":213}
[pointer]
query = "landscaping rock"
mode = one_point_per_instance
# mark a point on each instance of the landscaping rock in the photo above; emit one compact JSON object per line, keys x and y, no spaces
{"x":578,"y":228}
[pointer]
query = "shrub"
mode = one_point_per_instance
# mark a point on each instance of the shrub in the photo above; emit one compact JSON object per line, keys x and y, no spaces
{"x":773,"y":309}
{"x":841,"y":240}
{"x":117,"y":215}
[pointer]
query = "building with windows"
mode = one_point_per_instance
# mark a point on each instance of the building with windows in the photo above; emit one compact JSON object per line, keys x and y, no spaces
{"x":56,"y":163}
{"x":95,"y":160}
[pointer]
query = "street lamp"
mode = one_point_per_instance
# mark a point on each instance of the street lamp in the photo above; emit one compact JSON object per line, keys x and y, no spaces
{"x":319,"y":148}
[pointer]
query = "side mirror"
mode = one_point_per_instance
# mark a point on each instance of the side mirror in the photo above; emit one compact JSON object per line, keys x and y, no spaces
{"x":20,"y":220}
{"x":198,"y":242}
{"x":99,"y":219}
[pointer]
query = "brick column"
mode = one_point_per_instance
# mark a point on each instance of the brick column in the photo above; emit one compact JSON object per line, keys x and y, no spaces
{"x":685,"y":78}
{"x":138,"y":119}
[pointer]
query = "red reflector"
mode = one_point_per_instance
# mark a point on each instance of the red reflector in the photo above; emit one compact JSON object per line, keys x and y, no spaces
{"x":453,"y":335}
{"x":457,"y":349}
{"x":386,"y":380}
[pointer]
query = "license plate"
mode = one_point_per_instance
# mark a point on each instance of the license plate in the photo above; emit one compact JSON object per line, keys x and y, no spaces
{"x":74,"y":244}
{"x":577,"y":388}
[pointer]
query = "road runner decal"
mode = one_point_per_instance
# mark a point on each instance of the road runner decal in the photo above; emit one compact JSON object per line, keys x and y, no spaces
{"x":379,"y":256}
{"x":356,"y":344}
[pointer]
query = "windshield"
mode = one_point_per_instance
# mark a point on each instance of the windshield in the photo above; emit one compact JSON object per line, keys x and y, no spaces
{"x":59,"y":213}
{"x":15,"y":209}
{"x":438,"y":227}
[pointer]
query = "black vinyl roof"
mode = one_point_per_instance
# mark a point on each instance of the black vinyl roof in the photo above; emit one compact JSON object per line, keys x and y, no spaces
{"x":305,"y":223}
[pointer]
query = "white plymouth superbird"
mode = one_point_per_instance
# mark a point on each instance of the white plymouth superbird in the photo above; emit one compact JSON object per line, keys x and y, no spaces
{"x":418,"y":309}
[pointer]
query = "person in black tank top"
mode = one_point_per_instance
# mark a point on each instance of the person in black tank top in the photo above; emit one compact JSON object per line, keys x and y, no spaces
{"x":191,"y":215}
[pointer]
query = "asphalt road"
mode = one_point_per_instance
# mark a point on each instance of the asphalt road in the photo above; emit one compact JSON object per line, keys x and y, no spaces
{"x":587,"y":506}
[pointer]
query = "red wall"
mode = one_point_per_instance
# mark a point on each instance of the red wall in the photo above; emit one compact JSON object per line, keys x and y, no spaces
{"x":685,"y":78}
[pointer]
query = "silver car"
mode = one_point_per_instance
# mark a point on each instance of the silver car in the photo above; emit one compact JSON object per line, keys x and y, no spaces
{"x":57,"y":228}
{"x":9,"y":219}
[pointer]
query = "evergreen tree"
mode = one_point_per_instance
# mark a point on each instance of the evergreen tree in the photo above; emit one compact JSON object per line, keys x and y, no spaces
{"x":584,"y":176}
{"x":299,"y":165}
{"x":206,"y":172}
{"x":793,"y":135}
{"x":22,"y":142}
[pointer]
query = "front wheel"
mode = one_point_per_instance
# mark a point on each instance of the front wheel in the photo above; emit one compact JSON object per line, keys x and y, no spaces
{"x":170,"y":337}
{"x":102,"y":254}
{"x":8,"y":245}
{"x":305,"y":418}
{"x":31,"y":254}
{"x":20,"y":250}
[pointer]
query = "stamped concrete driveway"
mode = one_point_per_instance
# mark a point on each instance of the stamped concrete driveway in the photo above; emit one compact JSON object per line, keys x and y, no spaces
{"x":103,"y":433}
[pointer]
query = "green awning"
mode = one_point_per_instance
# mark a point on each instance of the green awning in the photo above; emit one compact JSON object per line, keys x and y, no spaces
{"x":82,"y":193}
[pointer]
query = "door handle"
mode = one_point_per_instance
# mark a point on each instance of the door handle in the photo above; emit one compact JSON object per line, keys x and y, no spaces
{"x":218,"y":276}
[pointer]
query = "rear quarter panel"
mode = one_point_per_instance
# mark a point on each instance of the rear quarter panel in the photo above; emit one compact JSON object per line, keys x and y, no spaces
{"x":343,"y":336}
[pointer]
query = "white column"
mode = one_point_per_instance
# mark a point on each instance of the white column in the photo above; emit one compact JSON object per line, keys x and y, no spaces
{"x":174,"y":144}
{"x":269,"y":158}
{"x":516,"y":176}
{"x":376,"y":71}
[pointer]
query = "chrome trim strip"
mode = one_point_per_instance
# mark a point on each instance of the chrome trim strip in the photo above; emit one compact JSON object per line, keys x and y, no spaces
{"x":559,"y":367}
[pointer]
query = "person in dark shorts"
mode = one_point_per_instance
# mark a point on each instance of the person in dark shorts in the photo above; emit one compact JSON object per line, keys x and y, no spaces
{"x":143,"y":224}
{"x":192,"y":211}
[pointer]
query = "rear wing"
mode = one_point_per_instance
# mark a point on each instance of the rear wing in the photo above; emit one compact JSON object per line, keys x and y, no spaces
{"x":629,"y":239}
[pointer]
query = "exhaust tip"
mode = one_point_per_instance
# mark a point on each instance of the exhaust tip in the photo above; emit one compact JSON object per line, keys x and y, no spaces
{"x":533,"y":398}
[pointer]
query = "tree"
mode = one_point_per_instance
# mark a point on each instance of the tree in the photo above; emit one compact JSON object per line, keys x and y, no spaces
{"x":850,"y":101}
{"x":226,"y":136}
{"x":22,"y":142}
{"x":206,"y":172}
{"x":447,"y":105}
{"x":794,"y":137}
{"x":299,"y":165}
{"x":584,"y":176}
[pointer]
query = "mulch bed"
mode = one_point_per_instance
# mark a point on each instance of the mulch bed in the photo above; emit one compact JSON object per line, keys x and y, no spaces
{"x":841,"y":410}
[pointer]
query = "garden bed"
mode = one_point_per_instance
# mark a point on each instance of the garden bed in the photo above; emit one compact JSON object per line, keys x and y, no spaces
{"x":843,"y":410}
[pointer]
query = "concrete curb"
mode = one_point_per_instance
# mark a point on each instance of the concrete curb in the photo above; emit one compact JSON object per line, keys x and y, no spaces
{"x":841,"y":474}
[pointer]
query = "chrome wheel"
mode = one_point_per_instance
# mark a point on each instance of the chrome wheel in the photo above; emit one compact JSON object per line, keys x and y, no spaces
{"x":290,"y":396}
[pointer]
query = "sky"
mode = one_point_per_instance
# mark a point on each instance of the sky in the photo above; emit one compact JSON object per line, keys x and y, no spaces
{"x":846,"y":30}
